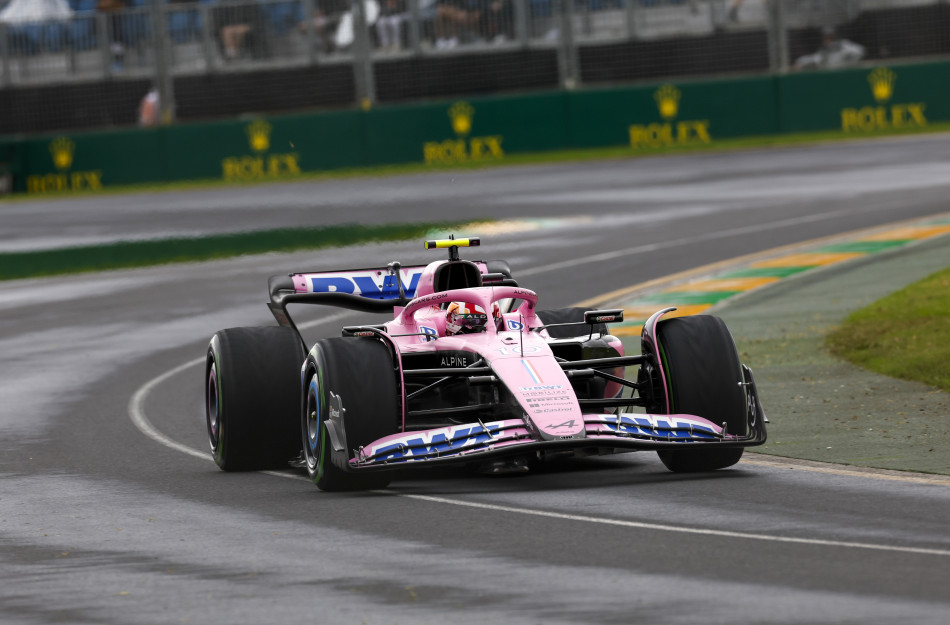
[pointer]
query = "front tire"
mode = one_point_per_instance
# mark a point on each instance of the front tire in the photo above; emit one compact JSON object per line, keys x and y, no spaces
{"x":356,"y":379}
{"x":251,"y":389}
{"x":704,"y":378}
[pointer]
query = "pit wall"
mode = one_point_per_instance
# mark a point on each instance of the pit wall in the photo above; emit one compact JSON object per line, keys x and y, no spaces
{"x":644,"y":117}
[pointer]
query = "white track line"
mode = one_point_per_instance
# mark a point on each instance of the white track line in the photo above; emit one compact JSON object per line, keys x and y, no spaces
{"x":137,"y":414}
{"x":137,"y":411}
{"x":673,"y":528}
{"x":137,"y":402}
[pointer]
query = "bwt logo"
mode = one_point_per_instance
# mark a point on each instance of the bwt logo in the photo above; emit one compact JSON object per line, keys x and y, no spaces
{"x":438,"y":442}
{"x":660,"y":427}
{"x":374,"y":287}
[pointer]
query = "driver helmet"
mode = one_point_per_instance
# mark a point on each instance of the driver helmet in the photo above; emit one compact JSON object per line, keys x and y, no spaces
{"x":464,"y":318}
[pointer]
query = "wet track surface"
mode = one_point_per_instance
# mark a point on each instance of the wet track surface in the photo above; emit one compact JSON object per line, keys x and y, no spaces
{"x":101,"y":524}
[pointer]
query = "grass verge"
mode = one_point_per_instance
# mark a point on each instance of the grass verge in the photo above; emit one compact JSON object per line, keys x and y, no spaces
{"x":129,"y":254}
{"x":904,"y":335}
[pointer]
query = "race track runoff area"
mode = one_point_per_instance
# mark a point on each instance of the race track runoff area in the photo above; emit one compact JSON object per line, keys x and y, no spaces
{"x":781,"y":305}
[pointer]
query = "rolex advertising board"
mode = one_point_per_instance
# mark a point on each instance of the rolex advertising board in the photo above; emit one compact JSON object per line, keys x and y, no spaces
{"x":872,"y":98}
{"x":869,"y":99}
{"x":89,"y":161}
{"x":264,"y":148}
{"x":465,"y":130}
{"x":672,"y":114}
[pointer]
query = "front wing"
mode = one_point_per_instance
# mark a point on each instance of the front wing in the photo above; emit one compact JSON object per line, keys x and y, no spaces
{"x":481,"y":441}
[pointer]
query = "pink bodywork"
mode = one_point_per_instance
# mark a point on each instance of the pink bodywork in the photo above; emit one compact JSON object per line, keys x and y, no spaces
{"x":520,"y":358}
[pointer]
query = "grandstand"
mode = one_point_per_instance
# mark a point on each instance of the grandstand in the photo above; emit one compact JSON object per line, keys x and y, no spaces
{"x":87,"y":63}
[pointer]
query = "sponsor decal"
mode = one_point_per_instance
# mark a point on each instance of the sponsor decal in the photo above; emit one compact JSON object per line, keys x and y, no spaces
{"x":453,"y":361}
{"x":435,"y":298}
{"x":430,"y":333}
{"x":261,"y":164}
{"x":669,"y":131}
{"x":373,"y":284}
{"x":462,"y":148}
{"x":62,"y":151}
{"x":556,"y":398}
{"x":535,"y":376}
{"x":542,"y":387}
{"x":514,"y":326}
{"x":883,"y":115}
{"x":517,"y":350}
{"x":656,"y":425}
{"x":441,"y":441}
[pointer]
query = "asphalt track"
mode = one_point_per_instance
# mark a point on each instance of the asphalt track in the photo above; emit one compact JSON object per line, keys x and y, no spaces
{"x":100,"y":523}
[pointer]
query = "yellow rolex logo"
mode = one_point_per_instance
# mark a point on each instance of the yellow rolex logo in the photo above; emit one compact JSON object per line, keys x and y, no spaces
{"x":668,"y":101}
{"x":62,"y":150}
{"x":882,"y":83}
{"x":258,"y":134}
{"x":65,"y":179}
{"x":461,"y":114}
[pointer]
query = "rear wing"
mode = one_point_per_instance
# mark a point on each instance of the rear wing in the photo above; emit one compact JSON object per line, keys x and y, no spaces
{"x":377,"y":289}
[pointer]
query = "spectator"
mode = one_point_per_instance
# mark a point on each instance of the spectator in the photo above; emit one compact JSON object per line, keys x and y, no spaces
{"x":149,"y":110}
{"x":117,"y":47}
{"x":238,"y":27}
{"x":498,"y":21}
{"x":734,"y":9}
{"x":392,"y":14}
{"x":321,"y":25}
{"x":455,"y":19}
{"x":833,"y":53}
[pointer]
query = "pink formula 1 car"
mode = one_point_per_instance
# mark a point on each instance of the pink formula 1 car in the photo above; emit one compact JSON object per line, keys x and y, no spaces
{"x":468,"y":371}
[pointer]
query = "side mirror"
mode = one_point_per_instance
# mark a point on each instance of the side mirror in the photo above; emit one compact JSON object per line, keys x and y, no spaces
{"x":603,"y":316}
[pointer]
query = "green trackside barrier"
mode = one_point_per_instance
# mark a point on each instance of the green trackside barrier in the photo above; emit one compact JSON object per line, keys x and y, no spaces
{"x":9,"y":166}
{"x":89,"y":161}
{"x":462,"y":131}
{"x":885,"y":97}
{"x":459,"y":131}
{"x":264,"y":147}
{"x":684,"y":113}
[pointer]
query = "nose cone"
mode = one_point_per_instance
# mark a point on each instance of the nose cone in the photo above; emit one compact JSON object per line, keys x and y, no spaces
{"x":544,"y":392}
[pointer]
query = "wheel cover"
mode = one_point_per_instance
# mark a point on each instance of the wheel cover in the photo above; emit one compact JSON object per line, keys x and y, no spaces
{"x":213,"y":409}
{"x":313,"y":423}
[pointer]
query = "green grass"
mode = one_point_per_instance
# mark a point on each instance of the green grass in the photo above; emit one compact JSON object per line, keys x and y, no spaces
{"x":905,"y":335}
{"x":555,"y":156}
{"x":128,"y":254}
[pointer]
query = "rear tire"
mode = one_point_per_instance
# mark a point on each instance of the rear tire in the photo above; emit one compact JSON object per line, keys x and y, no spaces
{"x":252,"y":379}
{"x":704,"y":378}
{"x":358,"y":374}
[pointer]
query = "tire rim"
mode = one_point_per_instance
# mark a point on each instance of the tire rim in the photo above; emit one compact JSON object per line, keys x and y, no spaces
{"x":312,"y":424}
{"x":214,"y":406}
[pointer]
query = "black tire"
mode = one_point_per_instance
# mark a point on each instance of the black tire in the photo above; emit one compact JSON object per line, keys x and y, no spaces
{"x":252,"y":386}
{"x":360,"y":373}
{"x":569,"y":315}
{"x":704,"y":378}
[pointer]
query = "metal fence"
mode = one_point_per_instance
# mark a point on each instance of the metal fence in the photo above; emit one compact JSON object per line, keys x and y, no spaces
{"x":220,"y":57}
